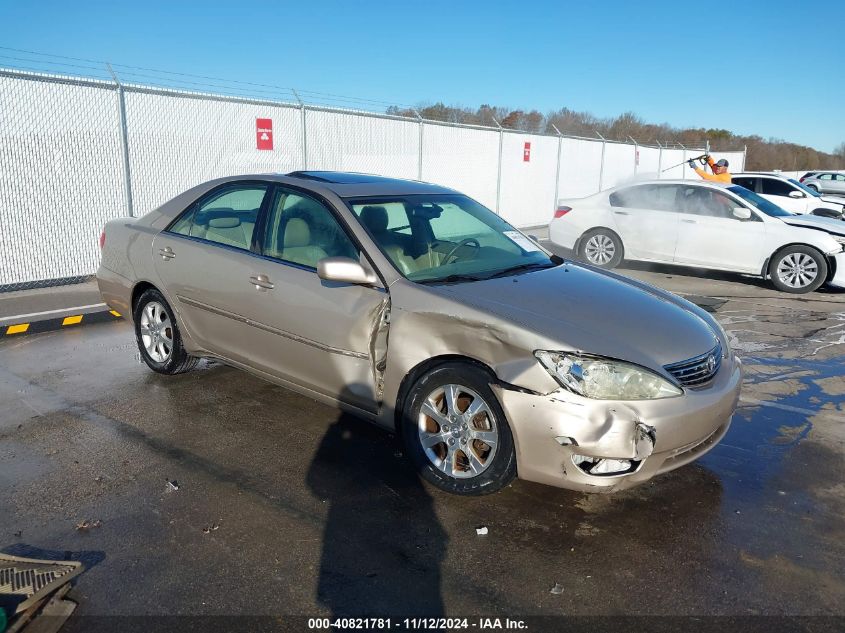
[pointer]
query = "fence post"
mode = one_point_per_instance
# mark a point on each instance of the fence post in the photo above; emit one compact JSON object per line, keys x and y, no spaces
{"x":499,"y":171}
{"x":601,"y":167}
{"x":557,"y":171}
{"x":684,"y":164}
{"x":636,"y":154}
{"x":304,"y":130}
{"x":420,"y":152}
{"x":124,"y":142}
{"x":744,"y":156}
{"x":659,"y":160}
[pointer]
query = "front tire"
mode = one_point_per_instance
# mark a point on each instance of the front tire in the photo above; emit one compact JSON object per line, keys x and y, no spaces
{"x":455,"y":432}
{"x":601,"y":247}
{"x":158,"y":336}
{"x":798,"y":269}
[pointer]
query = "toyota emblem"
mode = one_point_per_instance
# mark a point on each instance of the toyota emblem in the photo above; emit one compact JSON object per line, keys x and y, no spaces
{"x":711,"y":363}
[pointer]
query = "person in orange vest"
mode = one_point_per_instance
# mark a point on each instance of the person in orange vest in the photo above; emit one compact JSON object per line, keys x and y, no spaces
{"x":719,"y":168}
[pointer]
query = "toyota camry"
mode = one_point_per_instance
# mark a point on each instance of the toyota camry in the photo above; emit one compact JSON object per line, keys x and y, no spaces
{"x":413,"y":306}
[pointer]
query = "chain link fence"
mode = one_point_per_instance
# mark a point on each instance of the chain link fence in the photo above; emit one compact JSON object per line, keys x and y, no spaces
{"x":77,"y":152}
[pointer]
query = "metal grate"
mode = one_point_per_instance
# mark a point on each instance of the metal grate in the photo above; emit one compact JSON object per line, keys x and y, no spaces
{"x":697,"y":371}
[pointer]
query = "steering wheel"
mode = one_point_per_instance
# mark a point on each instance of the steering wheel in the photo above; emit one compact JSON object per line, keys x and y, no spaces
{"x":470,"y":241}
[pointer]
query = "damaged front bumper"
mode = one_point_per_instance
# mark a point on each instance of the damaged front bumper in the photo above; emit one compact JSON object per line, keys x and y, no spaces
{"x":602,"y":446}
{"x":838,"y":278}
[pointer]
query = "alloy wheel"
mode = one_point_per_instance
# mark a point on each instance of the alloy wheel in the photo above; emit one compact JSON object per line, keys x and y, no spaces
{"x":797,"y":270}
{"x":156,"y":332}
{"x":600,"y":249}
{"x":458,"y":431}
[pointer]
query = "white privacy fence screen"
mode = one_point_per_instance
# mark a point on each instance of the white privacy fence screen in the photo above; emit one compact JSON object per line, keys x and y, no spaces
{"x":77,"y":152}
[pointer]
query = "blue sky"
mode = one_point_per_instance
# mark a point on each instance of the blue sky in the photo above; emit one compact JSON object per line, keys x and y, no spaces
{"x":744,"y":66}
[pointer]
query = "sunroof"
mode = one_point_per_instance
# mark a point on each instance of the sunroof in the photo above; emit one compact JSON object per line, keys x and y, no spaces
{"x":338,"y":177}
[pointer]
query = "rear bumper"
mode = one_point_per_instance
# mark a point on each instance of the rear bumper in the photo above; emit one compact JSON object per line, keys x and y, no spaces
{"x":656,"y":436}
{"x":562,"y":233}
{"x":116,"y":290}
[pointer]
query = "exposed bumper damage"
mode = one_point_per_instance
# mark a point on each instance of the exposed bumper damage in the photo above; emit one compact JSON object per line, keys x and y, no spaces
{"x":602,"y":446}
{"x":838,"y":279}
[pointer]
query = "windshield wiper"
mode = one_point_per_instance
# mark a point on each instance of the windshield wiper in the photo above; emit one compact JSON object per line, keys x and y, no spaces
{"x":452,"y":279}
{"x":520,"y":268}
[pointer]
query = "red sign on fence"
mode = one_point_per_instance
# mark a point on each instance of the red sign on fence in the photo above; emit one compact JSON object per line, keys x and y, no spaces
{"x":264,"y":133}
{"x":526,"y":153}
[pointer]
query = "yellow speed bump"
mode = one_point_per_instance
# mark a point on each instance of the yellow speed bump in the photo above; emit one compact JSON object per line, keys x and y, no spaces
{"x":72,"y":320}
{"x":47,"y":325}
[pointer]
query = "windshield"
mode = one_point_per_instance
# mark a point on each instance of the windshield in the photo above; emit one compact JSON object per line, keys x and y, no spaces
{"x":761,"y":204}
{"x":446,"y":238}
{"x":805,"y":189}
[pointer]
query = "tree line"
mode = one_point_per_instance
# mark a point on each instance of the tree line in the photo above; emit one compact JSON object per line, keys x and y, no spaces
{"x":763,"y":154}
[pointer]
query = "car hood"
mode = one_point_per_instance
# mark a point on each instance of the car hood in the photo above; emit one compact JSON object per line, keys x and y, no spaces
{"x":576,"y":308}
{"x":832,"y":199}
{"x":829,"y":225}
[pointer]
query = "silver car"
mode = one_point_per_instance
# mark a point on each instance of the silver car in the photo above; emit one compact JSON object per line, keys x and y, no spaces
{"x":414,"y":307}
{"x":826,"y":182}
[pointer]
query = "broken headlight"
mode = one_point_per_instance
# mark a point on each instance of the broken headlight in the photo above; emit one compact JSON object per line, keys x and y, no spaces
{"x":605,"y":379}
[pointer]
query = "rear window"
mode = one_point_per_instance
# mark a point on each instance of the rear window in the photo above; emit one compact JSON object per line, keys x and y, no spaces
{"x":745,"y":181}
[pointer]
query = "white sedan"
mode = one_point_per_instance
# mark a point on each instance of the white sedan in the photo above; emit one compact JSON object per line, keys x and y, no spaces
{"x":791,"y":194}
{"x":703,"y":225}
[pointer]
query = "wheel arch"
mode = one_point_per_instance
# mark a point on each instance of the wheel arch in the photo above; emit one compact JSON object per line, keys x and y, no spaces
{"x":140,"y":288}
{"x":766,"y":265}
{"x":422,"y":368}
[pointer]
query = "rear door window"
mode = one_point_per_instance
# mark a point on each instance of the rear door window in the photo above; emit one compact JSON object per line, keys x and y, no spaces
{"x":225,"y":216}
{"x":656,"y":197}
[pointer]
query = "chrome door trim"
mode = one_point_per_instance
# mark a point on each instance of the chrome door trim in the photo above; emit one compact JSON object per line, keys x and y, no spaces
{"x":272,"y":330}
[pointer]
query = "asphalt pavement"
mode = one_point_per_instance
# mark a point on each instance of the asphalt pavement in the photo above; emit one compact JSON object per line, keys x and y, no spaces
{"x":217,"y":493}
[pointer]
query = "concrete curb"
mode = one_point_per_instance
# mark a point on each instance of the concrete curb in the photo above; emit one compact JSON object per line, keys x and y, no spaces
{"x":58,"y":323}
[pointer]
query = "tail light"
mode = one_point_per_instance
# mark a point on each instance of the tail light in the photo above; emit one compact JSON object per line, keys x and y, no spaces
{"x":801,"y":179}
{"x":102,"y":239}
{"x":562,"y":211}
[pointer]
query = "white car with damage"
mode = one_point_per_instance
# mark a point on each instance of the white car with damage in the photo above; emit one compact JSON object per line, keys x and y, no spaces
{"x":703,"y":225}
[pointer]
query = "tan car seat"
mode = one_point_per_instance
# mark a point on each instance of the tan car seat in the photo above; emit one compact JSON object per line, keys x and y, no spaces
{"x":375,"y":219}
{"x":297,"y":244}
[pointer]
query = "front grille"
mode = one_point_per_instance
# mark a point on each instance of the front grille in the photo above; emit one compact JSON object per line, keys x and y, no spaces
{"x":699,"y":370}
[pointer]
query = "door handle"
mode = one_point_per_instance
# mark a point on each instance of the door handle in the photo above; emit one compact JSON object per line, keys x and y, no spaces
{"x":621,"y":212}
{"x":261,"y":282}
{"x":166,"y":253}
{"x":690,"y":221}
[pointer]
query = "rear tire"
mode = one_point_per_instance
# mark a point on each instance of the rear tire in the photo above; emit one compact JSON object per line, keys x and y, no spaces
{"x":814,"y":187}
{"x":601,"y":247}
{"x":158,"y":336}
{"x":798,"y":269}
{"x":455,"y":432}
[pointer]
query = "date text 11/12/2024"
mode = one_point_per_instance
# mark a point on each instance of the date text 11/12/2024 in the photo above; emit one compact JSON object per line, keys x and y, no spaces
{"x":416,"y":624}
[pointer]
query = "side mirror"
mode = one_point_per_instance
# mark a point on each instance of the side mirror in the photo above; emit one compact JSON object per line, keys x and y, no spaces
{"x":796,"y":194}
{"x":344,"y":270}
{"x":741,"y":213}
